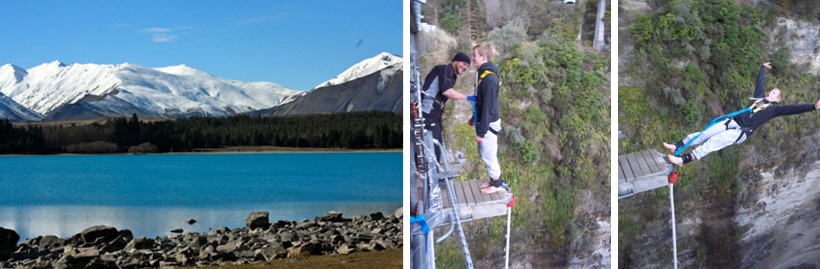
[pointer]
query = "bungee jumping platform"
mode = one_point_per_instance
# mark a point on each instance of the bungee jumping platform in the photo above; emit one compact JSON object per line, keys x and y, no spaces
{"x":472,"y":203}
{"x":642,"y":171}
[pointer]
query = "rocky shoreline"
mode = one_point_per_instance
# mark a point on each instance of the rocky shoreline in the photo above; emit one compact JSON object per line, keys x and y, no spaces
{"x":260,"y":240}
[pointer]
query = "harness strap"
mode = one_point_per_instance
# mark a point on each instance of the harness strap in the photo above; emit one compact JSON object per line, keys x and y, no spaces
{"x":713,"y":122}
{"x":483,"y":74}
{"x":755,"y":107}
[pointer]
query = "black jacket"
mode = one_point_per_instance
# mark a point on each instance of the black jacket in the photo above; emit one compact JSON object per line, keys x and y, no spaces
{"x":445,"y":78}
{"x":487,"y":99}
{"x":750,"y":121}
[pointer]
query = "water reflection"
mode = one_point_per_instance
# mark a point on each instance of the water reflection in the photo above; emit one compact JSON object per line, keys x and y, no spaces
{"x":66,"y":221}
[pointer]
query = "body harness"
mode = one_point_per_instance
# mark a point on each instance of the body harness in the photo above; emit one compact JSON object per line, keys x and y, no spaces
{"x":758,"y":105}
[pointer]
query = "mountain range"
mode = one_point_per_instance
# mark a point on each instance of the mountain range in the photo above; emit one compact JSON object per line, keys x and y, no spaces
{"x":56,"y":91}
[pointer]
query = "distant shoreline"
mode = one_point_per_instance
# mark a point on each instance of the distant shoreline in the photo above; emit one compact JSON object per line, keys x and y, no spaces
{"x":274,"y":149}
{"x":228,"y":150}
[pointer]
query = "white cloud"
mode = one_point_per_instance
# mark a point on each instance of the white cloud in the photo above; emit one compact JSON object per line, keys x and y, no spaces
{"x":163,"y":35}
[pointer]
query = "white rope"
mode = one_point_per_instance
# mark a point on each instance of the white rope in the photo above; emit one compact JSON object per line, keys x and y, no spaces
{"x":674,"y":234}
{"x":507,"y":257}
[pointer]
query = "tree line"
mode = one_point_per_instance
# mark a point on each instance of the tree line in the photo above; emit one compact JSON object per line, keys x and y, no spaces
{"x":356,"y":130}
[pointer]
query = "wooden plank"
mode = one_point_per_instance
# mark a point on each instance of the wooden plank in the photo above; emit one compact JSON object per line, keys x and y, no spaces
{"x":650,"y":160}
{"x":468,"y":193}
{"x":475,"y":188}
{"x":643,"y":164}
{"x":623,"y":164}
{"x":653,"y":155}
{"x":460,"y":195}
{"x":621,"y":175}
{"x":633,"y":164}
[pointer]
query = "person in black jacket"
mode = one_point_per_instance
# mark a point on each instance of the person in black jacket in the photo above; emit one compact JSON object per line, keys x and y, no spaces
{"x":735,"y":130}
{"x":437,"y":89}
{"x":487,"y":119}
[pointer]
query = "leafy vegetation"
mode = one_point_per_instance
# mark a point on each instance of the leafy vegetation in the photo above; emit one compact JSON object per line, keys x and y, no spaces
{"x":354,"y":130}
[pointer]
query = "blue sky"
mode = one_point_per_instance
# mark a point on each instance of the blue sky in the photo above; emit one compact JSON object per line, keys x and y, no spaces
{"x":297,"y":44}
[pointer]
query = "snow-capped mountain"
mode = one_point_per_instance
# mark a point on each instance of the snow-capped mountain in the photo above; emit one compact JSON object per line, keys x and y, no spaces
{"x":380,"y":90}
{"x":363,"y":68}
{"x":58,"y":91}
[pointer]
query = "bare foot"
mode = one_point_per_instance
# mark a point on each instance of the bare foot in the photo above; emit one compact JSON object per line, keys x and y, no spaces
{"x":484,"y":185}
{"x":491,"y":189}
{"x":675,"y":160}
{"x":670,"y":147}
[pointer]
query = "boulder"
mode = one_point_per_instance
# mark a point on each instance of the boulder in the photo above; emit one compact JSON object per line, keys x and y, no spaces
{"x":8,"y":240}
{"x":376,"y":216}
{"x":140,"y":243}
{"x":96,"y":235}
{"x":197,"y":242}
{"x":274,"y":251}
{"x":344,"y":249}
{"x":399,"y":212}
{"x":304,"y":250}
{"x":306,"y":225}
{"x":280,"y":224}
{"x":332,"y":216}
{"x":257,"y":219}
{"x":226,"y":248}
{"x":221,"y":230}
{"x":177,"y":231}
{"x":191,"y":221}
{"x":50,"y":242}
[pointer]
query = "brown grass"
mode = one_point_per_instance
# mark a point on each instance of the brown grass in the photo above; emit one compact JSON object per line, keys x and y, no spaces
{"x":360,"y":260}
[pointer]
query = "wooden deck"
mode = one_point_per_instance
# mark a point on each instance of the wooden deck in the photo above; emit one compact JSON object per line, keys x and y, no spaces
{"x":472,"y":204}
{"x":641,"y":171}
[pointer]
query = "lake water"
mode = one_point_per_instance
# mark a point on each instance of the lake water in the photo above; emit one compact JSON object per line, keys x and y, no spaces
{"x":153,"y":194}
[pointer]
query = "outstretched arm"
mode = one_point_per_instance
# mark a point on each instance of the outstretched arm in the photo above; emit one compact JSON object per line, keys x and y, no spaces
{"x":453,"y":94}
{"x":760,"y":85}
{"x":795,"y":109}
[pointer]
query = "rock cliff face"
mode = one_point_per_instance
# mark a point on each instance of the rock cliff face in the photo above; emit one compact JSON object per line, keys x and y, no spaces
{"x":803,"y":40}
{"x":778,"y":214}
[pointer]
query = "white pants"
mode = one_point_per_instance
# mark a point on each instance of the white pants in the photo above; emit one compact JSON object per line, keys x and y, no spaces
{"x":716,"y":138}
{"x":488,"y":151}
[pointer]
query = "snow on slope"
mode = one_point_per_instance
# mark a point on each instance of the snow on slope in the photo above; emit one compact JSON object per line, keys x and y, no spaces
{"x":11,"y":110}
{"x":172,"y":91}
{"x":363,"y":68}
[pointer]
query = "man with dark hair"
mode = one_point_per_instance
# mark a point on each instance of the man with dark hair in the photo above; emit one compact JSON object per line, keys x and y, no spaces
{"x":438,"y":88}
{"x":735,"y":130}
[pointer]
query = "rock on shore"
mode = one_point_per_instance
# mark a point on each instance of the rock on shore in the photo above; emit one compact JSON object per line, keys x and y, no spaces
{"x":106,"y":247}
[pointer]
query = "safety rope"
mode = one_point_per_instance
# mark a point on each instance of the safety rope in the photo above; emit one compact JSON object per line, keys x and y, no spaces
{"x":674,"y":233}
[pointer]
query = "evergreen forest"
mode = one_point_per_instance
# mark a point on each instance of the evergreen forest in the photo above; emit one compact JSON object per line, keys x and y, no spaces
{"x":356,"y":130}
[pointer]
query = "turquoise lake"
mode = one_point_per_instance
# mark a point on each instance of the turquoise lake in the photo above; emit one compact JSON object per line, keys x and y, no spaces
{"x":153,"y":194}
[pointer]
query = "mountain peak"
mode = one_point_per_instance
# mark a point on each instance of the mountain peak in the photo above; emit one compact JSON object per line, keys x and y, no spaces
{"x":13,"y":70}
{"x":364,"y":68}
{"x":57,"y":63}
